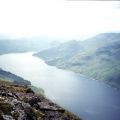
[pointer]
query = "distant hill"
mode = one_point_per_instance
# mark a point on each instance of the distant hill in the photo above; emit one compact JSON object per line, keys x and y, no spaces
{"x":97,"y":57}
{"x":24,"y":45}
{"x":4,"y":75}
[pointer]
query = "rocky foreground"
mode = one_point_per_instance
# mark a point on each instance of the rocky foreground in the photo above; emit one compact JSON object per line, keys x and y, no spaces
{"x":21,"y":103}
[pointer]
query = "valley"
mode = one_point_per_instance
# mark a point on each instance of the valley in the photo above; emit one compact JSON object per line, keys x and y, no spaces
{"x":97,"y":57}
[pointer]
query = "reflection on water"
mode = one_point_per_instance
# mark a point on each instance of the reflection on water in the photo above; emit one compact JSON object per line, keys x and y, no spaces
{"x":88,"y":98}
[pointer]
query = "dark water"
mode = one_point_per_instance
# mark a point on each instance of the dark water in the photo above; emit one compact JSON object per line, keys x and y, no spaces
{"x":87,"y":98}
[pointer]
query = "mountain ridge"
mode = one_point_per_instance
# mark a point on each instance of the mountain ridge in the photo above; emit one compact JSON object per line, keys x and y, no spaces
{"x":96,"y":57}
{"x":5,"y":75}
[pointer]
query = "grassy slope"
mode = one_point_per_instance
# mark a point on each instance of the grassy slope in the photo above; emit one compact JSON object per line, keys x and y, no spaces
{"x":4,"y":75}
{"x":97,"y":57}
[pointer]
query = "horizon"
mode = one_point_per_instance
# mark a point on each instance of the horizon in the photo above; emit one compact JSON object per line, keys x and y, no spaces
{"x":50,"y":39}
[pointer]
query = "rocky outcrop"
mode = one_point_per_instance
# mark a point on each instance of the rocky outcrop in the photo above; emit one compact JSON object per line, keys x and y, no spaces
{"x":20,"y":103}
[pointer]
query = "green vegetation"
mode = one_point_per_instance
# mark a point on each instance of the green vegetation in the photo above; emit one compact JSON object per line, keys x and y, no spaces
{"x":97,"y":57}
{"x":37,"y":90}
{"x":20,"y":102}
{"x":6,"y":108}
{"x":4,"y":75}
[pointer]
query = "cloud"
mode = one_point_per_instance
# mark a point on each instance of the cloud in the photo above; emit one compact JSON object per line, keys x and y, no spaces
{"x":58,"y":18}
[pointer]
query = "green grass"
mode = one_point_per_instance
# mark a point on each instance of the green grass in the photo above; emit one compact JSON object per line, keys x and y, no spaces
{"x":6,"y":108}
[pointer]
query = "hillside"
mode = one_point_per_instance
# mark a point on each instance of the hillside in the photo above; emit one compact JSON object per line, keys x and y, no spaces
{"x":97,"y":57}
{"x":4,"y":75}
{"x":21,"y":103}
{"x":25,"y":45}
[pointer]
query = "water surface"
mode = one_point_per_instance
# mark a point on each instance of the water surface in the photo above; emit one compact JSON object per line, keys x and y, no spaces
{"x":87,"y":98}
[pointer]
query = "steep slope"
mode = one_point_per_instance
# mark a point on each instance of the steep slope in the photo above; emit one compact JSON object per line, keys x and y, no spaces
{"x":21,"y":103}
{"x":60,"y":54}
{"x":4,"y":75}
{"x":97,"y":57}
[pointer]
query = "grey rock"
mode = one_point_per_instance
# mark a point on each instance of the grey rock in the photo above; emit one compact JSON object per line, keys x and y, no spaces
{"x":8,"y":117}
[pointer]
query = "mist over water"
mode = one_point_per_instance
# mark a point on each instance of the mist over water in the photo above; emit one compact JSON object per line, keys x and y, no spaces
{"x":87,"y":98}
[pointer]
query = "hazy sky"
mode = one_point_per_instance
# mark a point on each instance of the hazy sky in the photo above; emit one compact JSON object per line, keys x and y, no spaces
{"x":58,"y":18}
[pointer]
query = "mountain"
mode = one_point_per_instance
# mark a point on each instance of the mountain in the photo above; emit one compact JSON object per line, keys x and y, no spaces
{"x":24,"y":45}
{"x":97,"y":57}
{"x":19,"y":102}
{"x":4,"y":75}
